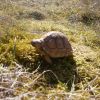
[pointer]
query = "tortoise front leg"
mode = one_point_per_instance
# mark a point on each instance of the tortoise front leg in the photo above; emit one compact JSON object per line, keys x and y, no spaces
{"x":45,"y":55}
{"x":47,"y":58}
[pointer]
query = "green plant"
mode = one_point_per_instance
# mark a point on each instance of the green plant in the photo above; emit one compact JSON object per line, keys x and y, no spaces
{"x":36,"y":15}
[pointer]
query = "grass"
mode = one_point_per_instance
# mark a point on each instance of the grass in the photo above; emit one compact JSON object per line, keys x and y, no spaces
{"x":25,"y":75}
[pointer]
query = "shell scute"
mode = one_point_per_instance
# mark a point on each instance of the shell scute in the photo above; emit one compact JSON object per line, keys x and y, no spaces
{"x":56,"y":44}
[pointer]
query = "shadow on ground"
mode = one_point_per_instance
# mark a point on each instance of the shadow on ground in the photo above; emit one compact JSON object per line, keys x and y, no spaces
{"x":62,"y":69}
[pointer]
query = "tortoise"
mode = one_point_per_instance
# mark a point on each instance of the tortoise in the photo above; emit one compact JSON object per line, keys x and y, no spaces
{"x":53,"y":44}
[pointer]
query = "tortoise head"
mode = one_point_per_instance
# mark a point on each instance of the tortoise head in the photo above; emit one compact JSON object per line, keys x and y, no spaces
{"x":36,"y":43}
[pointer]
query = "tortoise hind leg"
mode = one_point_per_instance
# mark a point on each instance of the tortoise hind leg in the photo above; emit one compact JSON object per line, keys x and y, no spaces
{"x":47,"y":58}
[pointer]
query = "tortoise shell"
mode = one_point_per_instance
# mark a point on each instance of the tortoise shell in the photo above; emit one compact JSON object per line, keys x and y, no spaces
{"x":56,"y":44}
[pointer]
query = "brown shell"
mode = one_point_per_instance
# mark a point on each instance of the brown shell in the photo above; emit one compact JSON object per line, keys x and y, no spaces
{"x":56,"y":44}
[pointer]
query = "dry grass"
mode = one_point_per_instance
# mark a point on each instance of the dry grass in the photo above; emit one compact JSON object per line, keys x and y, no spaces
{"x":24,"y":75}
{"x":17,"y":83}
